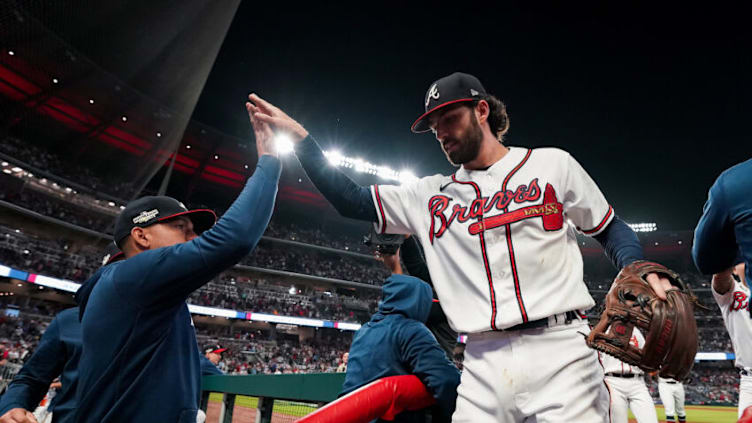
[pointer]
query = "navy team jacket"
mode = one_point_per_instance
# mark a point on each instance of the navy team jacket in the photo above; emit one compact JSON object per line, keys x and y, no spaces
{"x":725,"y":228}
{"x":56,"y":355}
{"x":140,"y":361}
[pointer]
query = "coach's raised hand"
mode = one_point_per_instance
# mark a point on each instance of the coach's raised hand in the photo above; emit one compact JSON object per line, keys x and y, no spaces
{"x":263,"y":133}
{"x":279,"y":121}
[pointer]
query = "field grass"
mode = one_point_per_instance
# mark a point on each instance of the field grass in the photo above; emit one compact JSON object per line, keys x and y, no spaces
{"x":289,"y":408}
{"x":700,"y":414}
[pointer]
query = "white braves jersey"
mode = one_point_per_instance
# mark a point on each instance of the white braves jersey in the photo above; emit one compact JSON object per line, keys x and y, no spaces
{"x":614,"y":365}
{"x":734,"y":308}
{"x":498,"y":242}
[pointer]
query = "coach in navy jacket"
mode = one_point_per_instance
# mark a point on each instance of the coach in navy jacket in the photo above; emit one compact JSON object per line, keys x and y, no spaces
{"x":396,"y":342}
{"x":140,"y":360}
{"x":724,"y":231}
{"x":56,"y":355}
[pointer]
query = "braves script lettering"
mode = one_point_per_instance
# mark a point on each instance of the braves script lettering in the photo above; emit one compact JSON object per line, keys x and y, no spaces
{"x":439,"y":206}
{"x":740,"y":301}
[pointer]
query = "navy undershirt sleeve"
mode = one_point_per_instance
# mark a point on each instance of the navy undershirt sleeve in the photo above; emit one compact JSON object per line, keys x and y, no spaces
{"x":348,"y":198}
{"x":620,"y":243}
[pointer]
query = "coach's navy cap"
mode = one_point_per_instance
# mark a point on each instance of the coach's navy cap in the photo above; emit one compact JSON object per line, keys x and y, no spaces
{"x":147,"y":211}
{"x":451,"y":89}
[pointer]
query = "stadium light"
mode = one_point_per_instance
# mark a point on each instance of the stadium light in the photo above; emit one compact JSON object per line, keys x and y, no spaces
{"x":188,"y":147}
{"x":284,"y":144}
{"x":91,"y":101}
{"x":124,"y":118}
{"x":335,"y":158}
{"x":159,"y":135}
{"x":55,"y":80}
{"x":11,"y":53}
{"x":643,"y":227}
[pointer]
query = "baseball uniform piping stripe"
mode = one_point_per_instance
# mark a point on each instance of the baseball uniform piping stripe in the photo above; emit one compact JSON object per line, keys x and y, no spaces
{"x":482,"y":238}
{"x":517,"y":292}
{"x":512,"y":261}
{"x":381,"y":208}
{"x":600,"y":225}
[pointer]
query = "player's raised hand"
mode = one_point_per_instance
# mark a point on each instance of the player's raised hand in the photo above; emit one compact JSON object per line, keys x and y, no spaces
{"x":659,"y":284}
{"x":264,"y":134}
{"x":277,"y":119}
{"x":18,"y":415}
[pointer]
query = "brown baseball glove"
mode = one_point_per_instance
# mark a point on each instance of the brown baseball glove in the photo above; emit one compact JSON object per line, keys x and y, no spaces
{"x":669,"y":326}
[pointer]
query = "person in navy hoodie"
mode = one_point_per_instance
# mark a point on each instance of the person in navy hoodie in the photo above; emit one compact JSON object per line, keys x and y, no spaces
{"x":397,"y":342}
{"x":140,"y":360}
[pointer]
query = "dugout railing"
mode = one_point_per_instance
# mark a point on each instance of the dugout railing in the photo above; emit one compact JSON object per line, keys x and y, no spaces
{"x":267,"y":398}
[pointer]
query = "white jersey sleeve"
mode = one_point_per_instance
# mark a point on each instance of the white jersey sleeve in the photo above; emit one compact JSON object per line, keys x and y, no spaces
{"x":400,"y":208}
{"x":393,"y":204}
{"x":584,"y":203}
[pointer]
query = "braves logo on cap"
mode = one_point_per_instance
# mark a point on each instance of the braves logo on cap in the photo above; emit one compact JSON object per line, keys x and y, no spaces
{"x":433,"y":93}
{"x":146,"y":216}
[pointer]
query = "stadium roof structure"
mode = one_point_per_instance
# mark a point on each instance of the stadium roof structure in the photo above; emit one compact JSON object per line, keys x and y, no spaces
{"x":53,"y":96}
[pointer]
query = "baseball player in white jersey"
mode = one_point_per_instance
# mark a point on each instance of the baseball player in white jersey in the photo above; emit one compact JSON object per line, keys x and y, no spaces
{"x":671,"y":392}
{"x":628,"y":389}
{"x":733,"y":299}
{"x":498,"y":244}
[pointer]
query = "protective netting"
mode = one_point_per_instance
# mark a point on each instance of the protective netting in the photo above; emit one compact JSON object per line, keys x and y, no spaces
{"x":95,"y":97}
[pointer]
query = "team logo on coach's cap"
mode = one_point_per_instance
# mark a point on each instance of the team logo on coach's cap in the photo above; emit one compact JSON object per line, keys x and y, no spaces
{"x":145,"y":216}
{"x":433,"y":93}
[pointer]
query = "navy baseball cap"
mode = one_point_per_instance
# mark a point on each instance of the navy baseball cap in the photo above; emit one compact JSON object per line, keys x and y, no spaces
{"x":112,"y":254}
{"x":455,"y":88}
{"x":149,"y":210}
{"x":214,"y":349}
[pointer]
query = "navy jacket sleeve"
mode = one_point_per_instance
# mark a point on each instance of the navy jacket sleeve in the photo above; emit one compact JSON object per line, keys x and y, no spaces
{"x":430,"y":364}
{"x":715,"y":247}
{"x":170,"y":274}
{"x":208,"y":368}
{"x":348,"y":198}
{"x":620,"y":243}
{"x":33,"y":380}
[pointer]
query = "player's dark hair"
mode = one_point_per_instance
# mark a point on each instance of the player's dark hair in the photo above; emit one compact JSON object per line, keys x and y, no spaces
{"x":498,"y":119}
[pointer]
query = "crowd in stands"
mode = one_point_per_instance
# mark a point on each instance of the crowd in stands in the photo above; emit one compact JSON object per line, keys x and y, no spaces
{"x":316,"y":263}
{"x":273,"y":299}
{"x":48,"y":257}
{"x":42,"y":158}
{"x":59,"y":209}
{"x":713,"y":385}
{"x":256,"y":353}
{"x":316,"y":236}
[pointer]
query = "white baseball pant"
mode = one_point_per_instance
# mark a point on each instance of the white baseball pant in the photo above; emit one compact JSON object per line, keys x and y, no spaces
{"x":672,"y":396}
{"x":535,"y":375}
{"x":745,"y":393}
{"x":630,"y":394}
